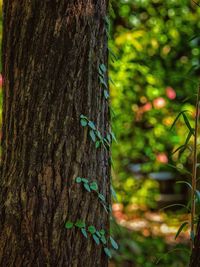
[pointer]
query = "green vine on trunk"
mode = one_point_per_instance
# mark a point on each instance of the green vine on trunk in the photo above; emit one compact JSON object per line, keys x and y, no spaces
{"x":95,"y":134}
{"x":99,"y":236}
{"x":93,"y":187}
{"x":102,"y":71}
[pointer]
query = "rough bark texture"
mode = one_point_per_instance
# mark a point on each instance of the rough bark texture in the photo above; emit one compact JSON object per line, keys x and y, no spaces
{"x":195,"y":257}
{"x":51,"y":53}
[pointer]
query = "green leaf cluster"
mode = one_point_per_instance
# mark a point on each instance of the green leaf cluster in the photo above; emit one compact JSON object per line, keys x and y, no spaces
{"x":95,"y":134}
{"x":89,"y":186}
{"x":102,"y":78}
{"x":99,"y":236}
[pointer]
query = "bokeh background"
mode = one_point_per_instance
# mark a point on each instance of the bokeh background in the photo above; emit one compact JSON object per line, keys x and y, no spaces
{"x":154,"y":70}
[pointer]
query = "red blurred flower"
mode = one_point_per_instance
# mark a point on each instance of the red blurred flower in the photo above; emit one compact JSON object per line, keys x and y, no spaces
{"x":162,"y":158}
{"x":170,"y":92}
{"x":147,"y":107}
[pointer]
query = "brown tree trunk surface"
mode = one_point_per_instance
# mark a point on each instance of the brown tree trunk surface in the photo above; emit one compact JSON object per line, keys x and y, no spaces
{"x":51,"y":54}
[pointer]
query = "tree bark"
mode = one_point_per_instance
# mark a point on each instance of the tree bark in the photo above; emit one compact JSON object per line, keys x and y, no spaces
{"x":51,"y":54}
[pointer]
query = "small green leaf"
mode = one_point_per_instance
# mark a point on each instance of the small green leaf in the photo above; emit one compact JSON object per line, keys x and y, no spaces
{"x":94,"y":186}
{"x":176,"y":119}
{"x":108,"y":34}
{"x":107,"y":252}
{"x":80,"y":224}
{"x":97,"y":144}
{"x":101,"y":197}
{"x":98,"y":234}
{"x":184,"y":182}
{"x":78,"y":180}
{"x":110,"y":161}
{"x":84,"y":180}
{"x":113,"y":193}
{"x":69,"y":225}
{"x":108,"y":138}
{"x":83,"y":117}
{"x":84,"y":122}
{"x":107,"y":20}
{"x":87,"y":187}
{"x":113,"y":55}
{"x":179,"y":169}
{"x":98,"y":134}
{"x":91,"y":125}
{"x":113,"y":243}
{"x":92,"y":229}
{"x":83,"y":231}
{"x":96,"y":239}
{"x":113,"y":136}
{"x":103,"y":82}
{"x":106,"y":142}
{"x":102,"y":67}
{"x":102,"y":232}
{"x":92,"y":135}
{"x":105,"y":207}
{"x":188,"y":123}
{"x":181,"y":148}
{"x":101,"y":73}
{"x":192,"y":236}
{"x":106,"y":94}
{"x":180,"y":229}
{"x":103,"y":240}
{"x":198,"y":196}
{"x":188,"y":138}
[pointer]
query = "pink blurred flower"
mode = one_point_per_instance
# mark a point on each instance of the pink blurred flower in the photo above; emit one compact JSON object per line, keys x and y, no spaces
{"x":170,"y":92}
{"x":162,"y":158}
{"x":147,"y":107}
{"x":143,"y":109}
{"x":159,"y":102}
{"x":1,"y":80}
{"x":118,"y":212}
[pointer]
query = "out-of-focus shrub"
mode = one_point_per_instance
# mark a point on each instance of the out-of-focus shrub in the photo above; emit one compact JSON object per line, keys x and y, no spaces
{"x":156,"y":73}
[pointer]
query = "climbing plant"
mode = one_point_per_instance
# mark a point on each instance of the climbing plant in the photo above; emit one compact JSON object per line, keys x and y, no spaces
{"x":99,"y":236}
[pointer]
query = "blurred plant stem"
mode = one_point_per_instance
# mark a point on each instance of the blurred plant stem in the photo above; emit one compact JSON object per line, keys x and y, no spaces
{"x":194,"y":171}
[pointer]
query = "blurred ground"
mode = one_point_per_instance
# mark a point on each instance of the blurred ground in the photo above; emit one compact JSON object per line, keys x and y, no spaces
{"x":147,"y":237}
{"x":152,"y":223}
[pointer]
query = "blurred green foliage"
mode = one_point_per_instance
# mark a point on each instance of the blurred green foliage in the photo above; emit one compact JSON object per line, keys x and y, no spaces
{"x":155,"y":75}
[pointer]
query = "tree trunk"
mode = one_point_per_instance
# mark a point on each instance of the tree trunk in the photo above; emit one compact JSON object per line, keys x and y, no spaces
{"x":51,"y":55}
